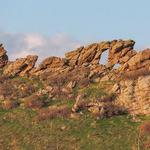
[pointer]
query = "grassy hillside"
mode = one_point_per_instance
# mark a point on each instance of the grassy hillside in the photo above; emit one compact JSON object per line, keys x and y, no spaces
{"x":19,"y":131}
{"x":33,"y":121}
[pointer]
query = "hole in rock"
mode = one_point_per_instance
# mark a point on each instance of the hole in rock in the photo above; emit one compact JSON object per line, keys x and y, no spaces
{"x":116,"y":66}
{"x":104,"y":58}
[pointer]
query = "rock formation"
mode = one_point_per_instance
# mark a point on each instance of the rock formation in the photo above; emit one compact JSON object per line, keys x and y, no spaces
{"x":138,"y":61}
{"x":134,"y":95}
{"x":21,"y":66}
{"x":51,"y":64}
{"x":119,"y":52}
{"x":82,"y":66}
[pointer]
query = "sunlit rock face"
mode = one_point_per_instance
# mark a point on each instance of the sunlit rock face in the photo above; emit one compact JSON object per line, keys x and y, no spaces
{"x":21,"y":66}
{"x":119,"y":52}
{"x":134,"y":95}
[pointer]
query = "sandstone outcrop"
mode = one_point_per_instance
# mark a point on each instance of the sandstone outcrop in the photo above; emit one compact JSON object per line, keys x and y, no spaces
{"x":86,"y":58}
{"x":119,"y":52}
{"x":138,"y":61}
{"x":80,"y":68}
{"x":21,"y":66}
{"x":51,"y":64}
{"x":3,"y":56}
{"x":134,"y":95}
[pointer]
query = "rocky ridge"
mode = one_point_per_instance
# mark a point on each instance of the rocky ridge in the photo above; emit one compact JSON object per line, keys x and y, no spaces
{"x":81,"y":67}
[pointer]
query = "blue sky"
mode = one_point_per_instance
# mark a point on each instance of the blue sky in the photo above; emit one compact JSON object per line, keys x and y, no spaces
{"x":51,"y":27}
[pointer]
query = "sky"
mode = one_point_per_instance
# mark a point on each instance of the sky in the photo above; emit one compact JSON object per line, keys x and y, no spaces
{"x":53,"y":27}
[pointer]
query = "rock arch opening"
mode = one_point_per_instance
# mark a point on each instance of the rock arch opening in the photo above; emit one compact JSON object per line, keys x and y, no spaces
{"x":104,"y":58}
{"x":116,"y":66}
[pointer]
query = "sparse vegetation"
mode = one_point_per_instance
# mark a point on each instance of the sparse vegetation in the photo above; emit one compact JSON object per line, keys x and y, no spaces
{"x":33,"y":101}
{"x":85,"y":133}
{"x":144,"y":136}
{"x":52,"y":112}
{"x":132,"y":75}
{"x":99,"y":91}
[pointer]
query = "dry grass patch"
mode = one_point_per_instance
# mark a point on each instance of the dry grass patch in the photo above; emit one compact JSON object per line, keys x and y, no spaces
{"x":33,"y":101}
{"x":53,"y":111}
{"x":132,"y":75}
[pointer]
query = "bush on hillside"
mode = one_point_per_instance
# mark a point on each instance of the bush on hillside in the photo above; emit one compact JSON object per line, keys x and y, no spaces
{"x":33,"y":101}
{"x":53,"y":111}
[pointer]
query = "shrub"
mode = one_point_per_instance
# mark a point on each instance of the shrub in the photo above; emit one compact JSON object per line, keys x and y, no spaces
{"x":33,"y":101}
{"x":84,"y":82}
{"x":57,"y":80}
{"x":132,"y":75}
{"x":3,"y":78}
{"x":145,"y":128}
{"x":108,"y":110}
{"x":9,"y":104}
{"x":108,"y":98}
{"x":15,"y":89}
{"x":80,"y":105}
{"x":112,"y":110}
{"x":47,"y":113}
{"x":53,"y":111}
{"x":144,"y":135}
{"x":63,"y":111}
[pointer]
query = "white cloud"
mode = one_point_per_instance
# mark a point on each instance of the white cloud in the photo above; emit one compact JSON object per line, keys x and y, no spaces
{"x":23,"y":44}
{"x":34,"y":40}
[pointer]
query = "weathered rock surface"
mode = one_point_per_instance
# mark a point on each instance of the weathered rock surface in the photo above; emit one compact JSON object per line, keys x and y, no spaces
{"x":3,"y":56}
{"x":138,"y":61}
{"x":51,"y":64}
{"x":119,"y":52}
{"x":135,"y":95}
{"x":21,"y":66}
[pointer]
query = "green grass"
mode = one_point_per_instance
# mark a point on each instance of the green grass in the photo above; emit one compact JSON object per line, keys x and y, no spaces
{"x":94,"y":92}
{"x":20,"y":132}
{"x":97,"y":90}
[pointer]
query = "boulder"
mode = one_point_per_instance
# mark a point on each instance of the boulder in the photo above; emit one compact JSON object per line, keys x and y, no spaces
{"x":71,"y":84}
{"x":51,"y":64}
{"x":80,"y":103}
